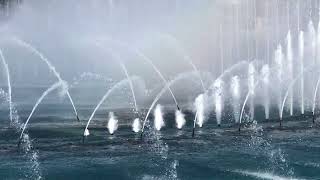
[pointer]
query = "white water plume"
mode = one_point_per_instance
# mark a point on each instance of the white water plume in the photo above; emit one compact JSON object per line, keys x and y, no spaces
{"x":156,"y":99}
{"x":290,"y":69}
{"x":5,"y":64}
{"x":158,"y":118}
{"x":136,"y":125}
{"x":218,"y":90}
{"x":112,"y":123}
{"x":235,"y":92}
{"x":265,"y":71}
{"x":200,"y":110}
{"x":86,"y":132}
{"x":279,"y":70}
{"x":251,"y":85}
{"x":301,"y":58}
{"x":180,"y":119}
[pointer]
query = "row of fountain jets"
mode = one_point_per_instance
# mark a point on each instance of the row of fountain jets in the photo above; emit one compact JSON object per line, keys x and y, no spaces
{"x":281,"y":72}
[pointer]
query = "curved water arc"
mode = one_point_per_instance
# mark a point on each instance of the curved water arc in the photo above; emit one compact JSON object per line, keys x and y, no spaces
{"x":148,"y":60}
{"x":50,"y":89}
{"x":187,"y":58}
{"x":106,"y":95}
{"x":5,"y":64}
{"x":51,"y":67}
{"x":179,"y":77}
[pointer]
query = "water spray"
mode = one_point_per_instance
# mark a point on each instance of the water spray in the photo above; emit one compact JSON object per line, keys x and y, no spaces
{"x":112,"y":123}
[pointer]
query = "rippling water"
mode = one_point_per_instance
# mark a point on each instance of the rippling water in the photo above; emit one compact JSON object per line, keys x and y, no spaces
{"x":259,"y":151}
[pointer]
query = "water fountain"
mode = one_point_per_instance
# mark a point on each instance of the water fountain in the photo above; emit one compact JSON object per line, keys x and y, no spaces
{"x":141,"y":55}
{"x":251,"y":87}
{"x":180,"y":120}
{"x":103,"y":99}
{"x":235,"y":92}
{"x":158,"y":118}
{"x":290,"y":69}
{"x":179,"y":77}
{"x":136,"y":125}
{"x":266,"y":81}
{"x":279,"y":71}
{"x":301,"y":58}
{"x":218,"y":90}
{"x":4,"y":62}
{"x":181,"y":51}
{"x":44,"y":94}
{"x":112,"y":123}
{"x":200,"y":110}
{"x":290,"y":88}
{"x":51,"y":67}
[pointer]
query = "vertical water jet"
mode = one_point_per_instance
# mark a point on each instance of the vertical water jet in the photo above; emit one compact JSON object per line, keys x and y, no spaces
{"x":112,"y":123}
{"x":235,"y":92}
{"x":158,"y":118}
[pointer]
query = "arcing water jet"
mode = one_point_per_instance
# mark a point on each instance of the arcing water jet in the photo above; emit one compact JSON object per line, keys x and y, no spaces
{"x":3,"y":60}
{"x":106,"y":95}
{"x":139,"y":53}
{"x":51,"y":67}
{"x":52,"y":88}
